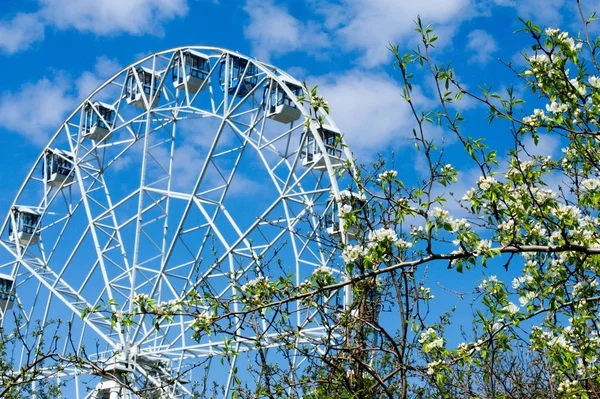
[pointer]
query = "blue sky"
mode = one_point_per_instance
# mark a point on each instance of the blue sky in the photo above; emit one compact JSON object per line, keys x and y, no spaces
{"x":55,"y":52}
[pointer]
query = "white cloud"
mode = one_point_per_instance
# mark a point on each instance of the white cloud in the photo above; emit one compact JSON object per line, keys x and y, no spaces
{"x":365,"y":26}
{"x":546,"y":146}
{"x":101,"y":17}
{"x":109,"y":17}
{"x":371,"y":24}
{"x":20,"y":33}
{"x":274,"y":31}
{"x":369,"y":110}
{"x":482,"y":44}
{"x":539,"y":11}
{"x":89,"y":81}
{"x":38,"y":109}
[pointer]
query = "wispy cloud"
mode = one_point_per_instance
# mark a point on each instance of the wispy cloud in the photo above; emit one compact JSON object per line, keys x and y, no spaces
{"x":548,"y":12}
{"x":20,"y":33}
{"x":482,"y":45}
{"x":361,"y":26}
{"x":100,"y":17}
{"x":90,"y":80}
{"x":368,"y":25}
{"x":38,"y":108}
{"x":109,"y":17}
{"x":369,"y":110}
{"x":274,"y":31}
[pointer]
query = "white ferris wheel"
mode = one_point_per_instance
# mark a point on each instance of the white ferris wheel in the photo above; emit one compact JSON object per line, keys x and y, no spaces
{"x":195,"y":169}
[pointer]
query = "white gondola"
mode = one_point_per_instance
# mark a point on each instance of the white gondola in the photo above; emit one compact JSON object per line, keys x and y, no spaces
{"x":7,"y":293}
{"x":280,"y":107}
{"x":145,"y":91}
{"x":241,"y":74}
{"x":190,"y":71}
{"x":58,"y":167}
{"x":98,"y":121}
{"x":108,"y":389}
{"x":25,"y":228}
{"x":349,"y":202}
{"x":313,"y":156}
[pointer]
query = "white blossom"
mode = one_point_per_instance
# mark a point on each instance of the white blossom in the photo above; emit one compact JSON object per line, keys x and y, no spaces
{"x":563,"y":211}
{"x":567,"y":386}
{"x":581,"y":89}
{"x":529,"y":296}
{"x":426,"y":335}
{"x":469,"y":195}
{"x":557,"y":108}
{"x":518,"y":281}
{"x":485,"y":183}
{"x":484,"y":284}
{"x":448,"y":168}
{"x":436,"y":343}
{"x":254,"y":282}
{"x":458,"y":223}
{"x":539,"y":58}
{"x":572,"y":45}
{"x":403,"y":244}
{"x":321,"y":270}
{"x":523,"y":301}
{"x":511,"y":308}
{"x":426,"y":293}
{"x":119,"y":315}
{"x":345,"y":210}
{"x":352,"y":253}
{"x":203,"y":320}
{"x":590,"y":184}
{"x":433,"y":366}
{"x":483,"y":247}
{"x":384,"y":235}
{"x":140,"y":298}
{"x":507,"y":225}
{"x":440,"y":214}
{"x":416,"y":231}
{"x":388,"y":175}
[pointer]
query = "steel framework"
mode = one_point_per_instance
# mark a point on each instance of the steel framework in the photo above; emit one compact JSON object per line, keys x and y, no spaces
{"x":189,"y":186}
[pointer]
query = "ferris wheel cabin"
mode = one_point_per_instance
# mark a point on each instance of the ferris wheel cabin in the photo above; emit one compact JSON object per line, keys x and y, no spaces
{"x":98,"y":121}
{"x":108,"y":389}
{"x":24,"y":226}
{"x":240,"y":75}
{"x":142,"y":88}
{"x":7,"y":292}
{"x":349,"y":202}
{"x":311,"y":152}
{"x":280,"y":107}
{"x":58,"y":167}
{"x":190,"y":71}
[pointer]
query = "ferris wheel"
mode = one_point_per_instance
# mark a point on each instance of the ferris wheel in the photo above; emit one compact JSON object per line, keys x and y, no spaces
{"x":194,"y":170}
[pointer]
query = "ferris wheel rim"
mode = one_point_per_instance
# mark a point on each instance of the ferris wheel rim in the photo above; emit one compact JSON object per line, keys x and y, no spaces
{"x":78,"y":108}
{"x":265,"y":68}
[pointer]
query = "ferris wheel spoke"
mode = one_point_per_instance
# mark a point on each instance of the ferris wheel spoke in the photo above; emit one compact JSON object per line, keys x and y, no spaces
{"x":67,"y":295}
{"x":100,"y":244}
{"x":168,"y":252}
{"x":127,"y":222}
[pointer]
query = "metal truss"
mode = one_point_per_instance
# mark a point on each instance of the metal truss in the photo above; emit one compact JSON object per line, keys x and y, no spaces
{"x":132,"y":218}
